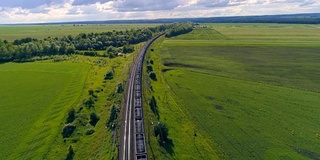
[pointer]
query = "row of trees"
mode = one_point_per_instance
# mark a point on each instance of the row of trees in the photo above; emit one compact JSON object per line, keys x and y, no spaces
{"x":180,"y":28}
{"x":111,"y":42}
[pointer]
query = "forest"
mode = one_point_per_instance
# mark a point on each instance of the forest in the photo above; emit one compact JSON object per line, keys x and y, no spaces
{"x":112,"y":42}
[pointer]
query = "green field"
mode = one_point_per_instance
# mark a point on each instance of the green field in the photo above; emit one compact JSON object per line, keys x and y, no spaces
{"x":12,"y":33}
{"x":34,"y":99}
{"x":248,"y":91}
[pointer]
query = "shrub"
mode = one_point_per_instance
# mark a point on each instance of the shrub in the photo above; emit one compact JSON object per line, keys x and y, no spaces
{"x":71,"y":115}
{"x":162,"y":131}
{"x":109,"y":75}
{"x":91,"y":92}
{"x":113,"y":115}
{"x":149,"y":68}
{"x":70,"y":154}
{"x":120,"y":88}
{"x":68,"y":130}
{"x":94,"y":118}
{"x":153,"y":105}
{"x":153,"y":76}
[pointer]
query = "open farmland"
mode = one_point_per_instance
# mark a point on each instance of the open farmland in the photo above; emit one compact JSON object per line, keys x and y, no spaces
{"x":14,"y":32}
{"x":34,"y":99}
{"x":244,"y":91}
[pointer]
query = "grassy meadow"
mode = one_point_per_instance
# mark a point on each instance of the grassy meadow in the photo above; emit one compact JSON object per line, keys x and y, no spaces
{"x":238,"y":91}
{"x":36,"y":97}
{"x":13,"y":32}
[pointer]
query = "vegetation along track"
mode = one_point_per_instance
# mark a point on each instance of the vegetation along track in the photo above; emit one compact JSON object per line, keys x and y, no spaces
{"x":132,"y":121}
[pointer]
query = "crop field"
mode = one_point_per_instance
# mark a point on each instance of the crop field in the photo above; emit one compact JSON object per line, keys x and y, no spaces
{"x":34,"y":99}
{"x":14,"y":32}
{"x":244,"y":91}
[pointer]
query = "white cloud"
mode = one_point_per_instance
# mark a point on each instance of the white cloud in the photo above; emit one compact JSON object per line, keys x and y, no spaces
{"x":22,"y":11}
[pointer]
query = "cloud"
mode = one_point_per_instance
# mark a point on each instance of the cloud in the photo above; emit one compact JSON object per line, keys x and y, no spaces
{"x":219,"y":3}
{"x":146,"y":5}
{"x":35,"y":11}
{"x":27,"y":4}
{"x":86,"y":2}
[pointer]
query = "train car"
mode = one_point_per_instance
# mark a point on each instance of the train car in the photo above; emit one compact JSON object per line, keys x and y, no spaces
{"x":137,"y":94}
{"x":137,"y":76}
{"x":139,"y":126}
{"x":138,"y":103}
{"x":138,"y":113}
{"x":137,"y":87}
{"x":140,"y":144}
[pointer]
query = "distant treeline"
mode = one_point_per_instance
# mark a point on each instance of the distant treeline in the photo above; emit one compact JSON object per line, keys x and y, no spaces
{"x":306,"y":18}
{"x":87,"y":44}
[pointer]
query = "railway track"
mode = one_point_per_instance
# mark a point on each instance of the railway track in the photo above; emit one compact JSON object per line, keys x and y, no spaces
{"x":133,"y":143}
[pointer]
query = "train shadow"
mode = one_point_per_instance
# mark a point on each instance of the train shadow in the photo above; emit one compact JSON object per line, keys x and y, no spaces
{"x":167,"y":145}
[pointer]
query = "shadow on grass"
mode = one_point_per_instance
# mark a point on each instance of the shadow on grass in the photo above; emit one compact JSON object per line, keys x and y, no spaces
{"x":167,"y":145}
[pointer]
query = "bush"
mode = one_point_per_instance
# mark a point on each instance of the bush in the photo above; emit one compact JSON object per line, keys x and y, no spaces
{"x":162,"y":131}
{"x":120,"y":88}
{"x":128,"y":49}
{"x":149,"y":68}
{"x":153,"y":106}
{"x":113,"y":115}
{"x":91,"y":92}
{"x":71,"y":115}
{"x":68,"y":130}
{"x":109,"y":75}
{"x":153,"y":76}
{"x":94,"y":118}
{"x":70,"y":154}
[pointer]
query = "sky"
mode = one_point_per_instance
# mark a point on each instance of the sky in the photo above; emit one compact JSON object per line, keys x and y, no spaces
{"x":39,"y":11}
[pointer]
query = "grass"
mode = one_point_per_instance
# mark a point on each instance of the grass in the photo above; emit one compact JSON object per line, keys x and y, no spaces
{"x":246,"y":96}
{"x":37,"y":96}
{"x":12,"y":33}
{"x":34,"y":98}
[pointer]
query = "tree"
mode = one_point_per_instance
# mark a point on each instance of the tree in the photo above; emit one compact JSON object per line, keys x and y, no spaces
{"x":70,"y":154}
{"x":68,"y":130}
{"x":94,"y":118}
{"x":113,"y":115}
{"x":109,"y":75}
{"x":153,"y":106}
{"x":91,"y":92}
{"x":120,"y":88}
{"x":149,"y":68}
{"x":153,"y":75}
{"x":70,"y":49}
{"x":127,"y":49}
{"x":71,"y":115}
{"x":162,"y":131}
{"x":63,"y":48}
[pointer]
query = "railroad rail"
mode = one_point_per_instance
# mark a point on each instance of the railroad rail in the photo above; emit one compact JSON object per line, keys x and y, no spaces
{"x":133,"y":141}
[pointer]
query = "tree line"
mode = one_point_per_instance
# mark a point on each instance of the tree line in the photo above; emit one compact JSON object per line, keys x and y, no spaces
{"x":181,"y":28}
{"x":111,"y":42}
